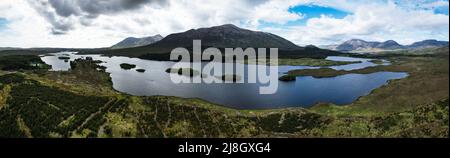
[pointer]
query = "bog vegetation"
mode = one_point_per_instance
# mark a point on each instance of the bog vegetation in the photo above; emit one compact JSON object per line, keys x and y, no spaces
{"x":82,"y":103}
{"x":21,"y":62}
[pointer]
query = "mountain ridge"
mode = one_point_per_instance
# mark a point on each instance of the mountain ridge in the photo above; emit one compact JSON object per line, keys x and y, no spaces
{"x":226,"y":36}
{"x":355,"y":45}
{"x":222,"y":36}
{"x":137,"y":42}
{"x":428,"y":43}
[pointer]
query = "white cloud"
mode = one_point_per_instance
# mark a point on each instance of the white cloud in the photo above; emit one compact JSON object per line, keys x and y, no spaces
{"x":29,"y":27}
{"x":372,"y":21}
{"x":274,"y":12}
{"x":73,"y":29}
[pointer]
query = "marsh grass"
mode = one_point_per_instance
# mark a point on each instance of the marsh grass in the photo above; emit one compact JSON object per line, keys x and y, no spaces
{"x":416,"y":106}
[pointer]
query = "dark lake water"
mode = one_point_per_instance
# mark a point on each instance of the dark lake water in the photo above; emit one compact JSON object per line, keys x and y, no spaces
{"x":304,"y":92}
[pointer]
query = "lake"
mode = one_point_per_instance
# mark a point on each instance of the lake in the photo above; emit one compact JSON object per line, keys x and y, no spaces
{"x":304,"y":92}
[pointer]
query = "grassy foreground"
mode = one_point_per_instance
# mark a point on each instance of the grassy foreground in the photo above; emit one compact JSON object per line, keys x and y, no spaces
{"x":82,"y":103}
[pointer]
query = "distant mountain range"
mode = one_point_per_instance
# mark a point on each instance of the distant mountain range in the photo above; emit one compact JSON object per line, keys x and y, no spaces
{"x":428,"y":44}
{"x":137,"y":42}
{"x":231,"y":36}
{"x":358,"y":45}
{"x":8,"y":48}
{"x":223,"y":36}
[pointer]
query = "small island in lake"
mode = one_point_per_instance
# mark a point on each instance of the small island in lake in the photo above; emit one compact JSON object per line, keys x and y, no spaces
{"x":183,"y":71}
{"x":287,"y":78}
{"x":127,"y":66}
{"x":140,"y":70}
{"x":64,"y":58}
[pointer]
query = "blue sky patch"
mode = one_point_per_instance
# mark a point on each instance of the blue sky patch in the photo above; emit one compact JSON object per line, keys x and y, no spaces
{"x":3,"y":23}
{"x":437,"y":6}
{"x":314,"y":11}
{"x":441,"y":10}
{"x":308,"y":11}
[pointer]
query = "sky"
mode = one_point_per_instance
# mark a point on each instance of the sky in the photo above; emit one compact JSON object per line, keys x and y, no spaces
{"x":102,"y":23}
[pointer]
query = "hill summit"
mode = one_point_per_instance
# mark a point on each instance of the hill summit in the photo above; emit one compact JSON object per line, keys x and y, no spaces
{"x":226,"y":36}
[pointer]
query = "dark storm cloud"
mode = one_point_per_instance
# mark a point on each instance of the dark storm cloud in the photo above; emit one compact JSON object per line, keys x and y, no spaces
{"x":255,"y":2}
{"x":93,"y":8}
{"x":64,"y":14}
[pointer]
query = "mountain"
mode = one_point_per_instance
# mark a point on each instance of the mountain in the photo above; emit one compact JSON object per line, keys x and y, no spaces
{"x":361,"y":45}
{"x":330,"y":47}
{"x":311,"y":46}
{"x":358,"y":45}
{"x":390,"y":45}
{"x":428,"y":44}
{"x":137,"y":42}
{"x":226,"y":36}
{"x":223,"y":36}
